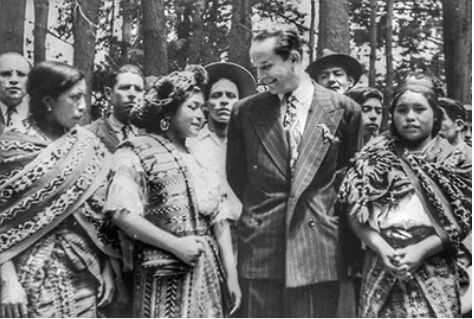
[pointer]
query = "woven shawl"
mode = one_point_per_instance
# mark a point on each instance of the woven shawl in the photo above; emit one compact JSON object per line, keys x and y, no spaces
{"x":41,"y":185}
{"x":378,"y":177}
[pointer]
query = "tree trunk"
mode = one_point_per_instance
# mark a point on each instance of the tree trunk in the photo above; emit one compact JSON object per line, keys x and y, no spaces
{"x":127,"y":19}
{"x":457,"y":30}
{"x":154,"y":37}
{"x":12,"y":25}
{"x":373,"y":42}
{"x":241,"y":33}
{"x":389,"y":78}
{"x":311,"y":30}
{"x":334,"y":26}
{"x":41,"y":26}
{"x":85,"y":22}
{"x":196,"y":36}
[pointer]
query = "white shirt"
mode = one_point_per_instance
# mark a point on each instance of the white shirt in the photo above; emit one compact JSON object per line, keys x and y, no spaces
{"x":304,"y":96}
{"x":18,"y":118}
{"x":210,"y":151}
{"x":117,"y":128}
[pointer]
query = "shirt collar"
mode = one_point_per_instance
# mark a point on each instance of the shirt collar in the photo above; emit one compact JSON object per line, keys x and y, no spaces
{"x":117,"y":125}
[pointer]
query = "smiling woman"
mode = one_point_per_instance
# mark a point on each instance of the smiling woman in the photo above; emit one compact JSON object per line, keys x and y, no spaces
{"x":163,"y":198}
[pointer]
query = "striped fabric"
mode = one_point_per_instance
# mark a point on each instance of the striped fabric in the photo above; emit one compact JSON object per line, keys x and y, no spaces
{"x":288,"y":229}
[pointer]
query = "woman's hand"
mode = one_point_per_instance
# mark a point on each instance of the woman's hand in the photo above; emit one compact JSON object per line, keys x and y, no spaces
{"x":411,"y":257}
{"x":189,"y":249}
{"x":389,"y":257}
{"x":107,"y":289}
{"x":235,"y":293}
{"x":13,"y":299}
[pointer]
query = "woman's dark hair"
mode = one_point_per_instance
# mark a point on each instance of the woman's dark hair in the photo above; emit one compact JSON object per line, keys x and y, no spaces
{"x":166,"y":96}
{"x":425,"y":88}
{"x":51,"y":79}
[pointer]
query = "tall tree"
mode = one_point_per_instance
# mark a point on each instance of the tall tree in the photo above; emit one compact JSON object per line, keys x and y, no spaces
{"x":334,"y":26}
{"x":389,"y":77}
{"x":12,"y":25}
{"x":373,"y":42}
{"x":241,"y":33}
{"x":312,"y":32}
{"x":40,"y":30}
{"x":457,"y":28}
{"x":196,"y":38}
{"x":85,"y":21}
{"x":128,"y":12}
{"x":154,"y":37}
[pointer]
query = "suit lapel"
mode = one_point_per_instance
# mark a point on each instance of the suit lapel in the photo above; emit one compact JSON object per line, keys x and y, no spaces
{"x":313,"y":149}
{"x":266,"y":121}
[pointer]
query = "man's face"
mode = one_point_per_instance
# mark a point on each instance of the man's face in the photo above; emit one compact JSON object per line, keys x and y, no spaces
{"x":371,"y":116}
{"x":222,"y":96}
{"x":280,"y":76}
{"x":335,"y":78}
{"x":450,"y":129}
{"x":14,"y":71}
{"x":128,"y":92}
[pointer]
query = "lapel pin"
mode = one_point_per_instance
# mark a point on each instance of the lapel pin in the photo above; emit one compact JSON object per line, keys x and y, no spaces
{"x":327,"y":136}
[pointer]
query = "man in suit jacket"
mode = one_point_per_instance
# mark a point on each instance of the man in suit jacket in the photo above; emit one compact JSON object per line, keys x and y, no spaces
{"x":14,"y":69}
{"x":288,"y":231}
{"x":126,"y":90}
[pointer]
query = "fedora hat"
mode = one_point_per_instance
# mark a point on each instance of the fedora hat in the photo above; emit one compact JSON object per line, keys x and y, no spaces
{"x":238,"y":74}
{"x":331,"y":58}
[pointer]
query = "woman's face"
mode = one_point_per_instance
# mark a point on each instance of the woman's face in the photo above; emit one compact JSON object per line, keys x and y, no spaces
{"x":413,"y":118}
{"x":68,"y":108}
{"x":187,"y":121}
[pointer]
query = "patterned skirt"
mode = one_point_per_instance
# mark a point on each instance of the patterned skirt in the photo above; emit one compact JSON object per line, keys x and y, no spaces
{"x":433,"y":291}
{"x":194,"y":293}
{"x":54,"y":286}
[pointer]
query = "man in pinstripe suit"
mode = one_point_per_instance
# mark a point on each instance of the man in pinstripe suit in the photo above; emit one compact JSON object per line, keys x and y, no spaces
{"x":289,"y":260}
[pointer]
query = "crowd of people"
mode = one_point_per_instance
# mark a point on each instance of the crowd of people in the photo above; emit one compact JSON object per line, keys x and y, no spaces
{"x":196,"y":196}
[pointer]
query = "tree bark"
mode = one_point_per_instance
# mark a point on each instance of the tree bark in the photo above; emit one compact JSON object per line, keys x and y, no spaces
{"x":457,"y":29}
{"x":241,"y":33}
{"x":373,"y":42}
{"x":12,"y":25}
{"x":85,"y":20}
{"x":41,"y":26}
{"x":196,"y":36}
{"x":154,"y":37}
{"x":389,"y":77}
{"x":127,"y":19}
{"x":334,"y":26}
{"x":311,"y":30}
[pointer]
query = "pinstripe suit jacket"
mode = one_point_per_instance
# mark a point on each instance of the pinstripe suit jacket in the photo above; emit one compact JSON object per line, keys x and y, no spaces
{"x":288,"y":229}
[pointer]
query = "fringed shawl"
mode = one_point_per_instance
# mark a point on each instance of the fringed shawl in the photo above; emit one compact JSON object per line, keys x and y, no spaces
{"x":378,"y":177}
{"x":41,"y":185}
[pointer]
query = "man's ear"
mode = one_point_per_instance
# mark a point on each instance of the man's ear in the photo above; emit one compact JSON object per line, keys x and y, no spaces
{"x":351,"y":81}
{"x":295,"y":56}
{"x":108,"y":92}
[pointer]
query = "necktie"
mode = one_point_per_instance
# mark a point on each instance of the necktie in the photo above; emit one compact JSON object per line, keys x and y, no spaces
{"x":126,"y":131}
{"x":9,"y":115}
{"x":292,"y":126}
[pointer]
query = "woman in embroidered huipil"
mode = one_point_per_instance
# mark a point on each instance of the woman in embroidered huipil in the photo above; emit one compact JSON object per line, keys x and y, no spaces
{"x":408,"y":197}
{"x":162,"y":197}
{"x":55,"y":248}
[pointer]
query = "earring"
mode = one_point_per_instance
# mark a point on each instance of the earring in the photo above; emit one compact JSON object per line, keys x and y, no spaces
{"x":48,"y":108}
{"x":164,"y":125}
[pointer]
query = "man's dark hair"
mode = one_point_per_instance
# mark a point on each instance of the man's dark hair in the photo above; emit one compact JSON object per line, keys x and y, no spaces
{"x":453,"y":108}
{"x":127,"y":68}
{"x":362,"y":94}
{"x":287,"y":39}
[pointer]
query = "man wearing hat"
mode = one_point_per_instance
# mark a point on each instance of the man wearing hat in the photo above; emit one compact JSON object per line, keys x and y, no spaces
{"x":335,"y":71}
{"x":228,"y":82}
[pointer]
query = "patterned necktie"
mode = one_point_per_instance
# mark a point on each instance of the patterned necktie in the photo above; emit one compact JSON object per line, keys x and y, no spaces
{"x":9,"y":115}
{"x":292,"y":125}
{"x":126,"y":131}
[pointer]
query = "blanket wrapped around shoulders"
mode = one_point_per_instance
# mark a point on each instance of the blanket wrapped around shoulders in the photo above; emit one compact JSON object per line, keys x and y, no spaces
{"x":41,"y":185}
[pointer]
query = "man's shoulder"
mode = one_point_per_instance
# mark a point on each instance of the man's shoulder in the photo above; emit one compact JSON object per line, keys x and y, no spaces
{"x":98,"y":125}
{"x":253,"y":101}
{"x":337,"y":100}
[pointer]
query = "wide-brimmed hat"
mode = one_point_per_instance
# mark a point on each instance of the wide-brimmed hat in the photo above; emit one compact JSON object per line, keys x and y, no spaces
{"x":331,"y":58}
{"x":239,"y":75}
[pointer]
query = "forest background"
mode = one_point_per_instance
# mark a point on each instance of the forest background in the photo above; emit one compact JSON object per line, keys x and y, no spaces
{"x":391,"y":37}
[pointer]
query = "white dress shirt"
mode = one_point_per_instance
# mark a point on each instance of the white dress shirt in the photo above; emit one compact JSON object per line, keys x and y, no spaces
{"x":18,"y":118}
